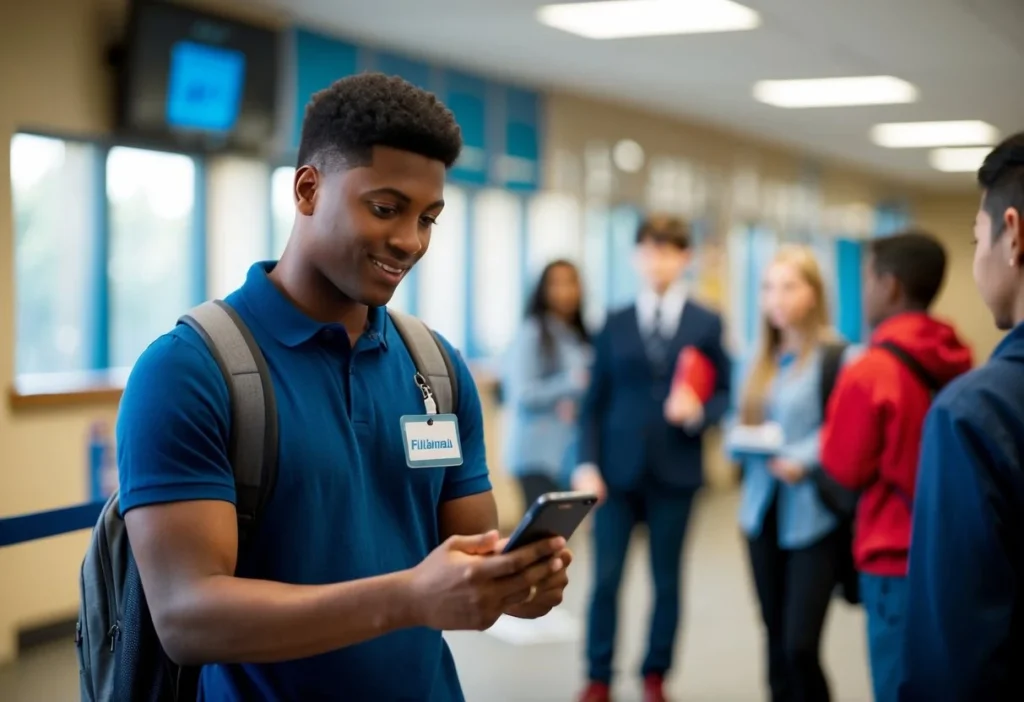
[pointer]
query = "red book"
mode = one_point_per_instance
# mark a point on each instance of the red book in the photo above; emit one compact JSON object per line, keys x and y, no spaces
{"x":694,"y":369}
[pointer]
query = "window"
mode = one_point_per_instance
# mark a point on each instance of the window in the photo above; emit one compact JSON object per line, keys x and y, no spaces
{"x":109,"y":251}
{"x":441,"y":274}
{"x":53,"y":188}
{"x":153,"y":248}
{"x":622,"y":276}
{"x":595,"y":265}
{"x":282,"y":208}
{"x":497,"y":232}
{"x":554,"y":230}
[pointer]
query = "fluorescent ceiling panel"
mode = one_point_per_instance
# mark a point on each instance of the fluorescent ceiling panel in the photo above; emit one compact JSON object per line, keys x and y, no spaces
{"x":908,"y":135}
{"x":959,"y":160}
{"x":621,"y":19}
{"x":835,"y":92}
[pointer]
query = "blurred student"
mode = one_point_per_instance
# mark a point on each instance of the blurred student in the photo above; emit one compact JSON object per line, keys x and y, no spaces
{"x":646,"y":467}
{"x":964,"y":639}
{"x":545,"y":376}
{"x":792,"y":534}
{"x":871,"y":440}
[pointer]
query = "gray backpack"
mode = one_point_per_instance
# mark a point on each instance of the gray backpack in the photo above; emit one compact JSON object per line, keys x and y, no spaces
{"x":119,"y":653}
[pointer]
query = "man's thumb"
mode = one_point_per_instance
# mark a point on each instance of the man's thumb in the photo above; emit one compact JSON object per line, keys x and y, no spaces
{"x":478,"y":544}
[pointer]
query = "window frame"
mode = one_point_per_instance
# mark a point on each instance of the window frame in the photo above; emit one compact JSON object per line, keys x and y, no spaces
{"x":102,"y":382}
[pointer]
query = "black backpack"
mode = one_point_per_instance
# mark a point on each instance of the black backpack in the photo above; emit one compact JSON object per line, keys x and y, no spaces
{"x":840,"y":501}
{"x":119,"y":653}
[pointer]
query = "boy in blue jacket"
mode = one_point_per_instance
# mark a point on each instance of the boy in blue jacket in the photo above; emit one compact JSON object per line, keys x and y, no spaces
{"x":964,"y":639}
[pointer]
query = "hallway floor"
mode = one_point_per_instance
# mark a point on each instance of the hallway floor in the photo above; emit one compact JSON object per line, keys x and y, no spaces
{"x":718,"y":658}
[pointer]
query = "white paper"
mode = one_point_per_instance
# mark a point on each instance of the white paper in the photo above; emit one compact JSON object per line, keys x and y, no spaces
{"x":759,"y":438}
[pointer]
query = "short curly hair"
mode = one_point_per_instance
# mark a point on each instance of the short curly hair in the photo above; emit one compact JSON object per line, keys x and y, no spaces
{"x":345,"y":121}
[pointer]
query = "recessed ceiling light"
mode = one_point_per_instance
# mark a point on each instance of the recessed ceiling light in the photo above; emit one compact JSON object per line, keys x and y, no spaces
{"x":621,"y":19}
{"x":835,"y":92}
{"x":959,"y":160}
{"x":906,"y":135}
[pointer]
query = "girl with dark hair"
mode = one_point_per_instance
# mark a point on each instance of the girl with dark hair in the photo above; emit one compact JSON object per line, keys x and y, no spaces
{"x":545,"y":375}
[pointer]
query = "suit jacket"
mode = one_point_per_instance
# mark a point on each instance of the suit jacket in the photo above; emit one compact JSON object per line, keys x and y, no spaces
{"x":622,"y":425}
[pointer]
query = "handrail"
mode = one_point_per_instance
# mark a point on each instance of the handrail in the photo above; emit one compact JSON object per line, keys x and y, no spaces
{"x":42,"y":525}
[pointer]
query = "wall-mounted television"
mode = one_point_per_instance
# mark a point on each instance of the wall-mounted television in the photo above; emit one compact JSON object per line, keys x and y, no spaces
{"x":196,"y":80}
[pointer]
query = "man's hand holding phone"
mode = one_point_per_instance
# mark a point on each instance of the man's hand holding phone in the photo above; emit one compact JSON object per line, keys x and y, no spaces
{"x":549,"y":591}
{"x":467,"y":583}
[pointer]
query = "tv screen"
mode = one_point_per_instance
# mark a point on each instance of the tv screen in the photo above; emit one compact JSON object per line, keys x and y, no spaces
{"x":198,"y":80}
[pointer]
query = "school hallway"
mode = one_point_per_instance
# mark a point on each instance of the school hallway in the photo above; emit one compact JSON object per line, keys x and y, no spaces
{"x":719,"y":659}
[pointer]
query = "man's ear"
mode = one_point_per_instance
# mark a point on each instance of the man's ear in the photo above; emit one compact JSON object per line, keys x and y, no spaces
{"x":305,"y":187}
{"x":891,"y":287}
{"x":1013,"y":233}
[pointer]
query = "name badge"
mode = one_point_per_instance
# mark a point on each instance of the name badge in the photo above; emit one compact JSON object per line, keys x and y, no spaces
{"x":432,"y":441}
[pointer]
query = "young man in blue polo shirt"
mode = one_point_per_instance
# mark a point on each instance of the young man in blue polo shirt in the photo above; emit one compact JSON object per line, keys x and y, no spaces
{"x":359,"y":561}
{"x":964,"y":630}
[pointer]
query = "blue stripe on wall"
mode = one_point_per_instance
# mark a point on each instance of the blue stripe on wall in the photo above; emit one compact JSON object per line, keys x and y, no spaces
{"x":522,"y":138}
{"x":502,"y":125}
{"x":466,"y":97}
{"x":850,"y":320}
{"x":100,"y":292}
{"x":319,"y":61}
{"x":415,"y":72}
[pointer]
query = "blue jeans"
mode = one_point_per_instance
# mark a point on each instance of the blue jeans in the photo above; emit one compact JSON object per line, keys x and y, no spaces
{"x":885,"y":601}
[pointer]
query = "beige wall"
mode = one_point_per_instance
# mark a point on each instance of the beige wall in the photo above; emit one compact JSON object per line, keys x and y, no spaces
{"x":951,"y":217}
{"x":573,"y":122}
{"x":52,"y":76}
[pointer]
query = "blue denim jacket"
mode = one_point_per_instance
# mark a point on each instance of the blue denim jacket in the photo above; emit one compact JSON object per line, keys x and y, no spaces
{"x":794,"y":403}
{"x":536,"y":439}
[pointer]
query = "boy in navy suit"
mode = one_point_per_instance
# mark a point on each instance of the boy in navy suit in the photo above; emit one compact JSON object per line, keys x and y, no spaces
{"x":644,"y":466}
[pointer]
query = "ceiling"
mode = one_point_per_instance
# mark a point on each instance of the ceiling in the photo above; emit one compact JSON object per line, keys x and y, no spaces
{"x":965,"y":57}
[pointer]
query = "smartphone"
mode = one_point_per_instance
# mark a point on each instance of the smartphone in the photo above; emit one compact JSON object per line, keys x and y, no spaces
{"x":553,"y":514}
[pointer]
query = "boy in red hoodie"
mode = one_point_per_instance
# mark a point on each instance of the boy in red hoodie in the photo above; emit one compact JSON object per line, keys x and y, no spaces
{"x":872,"y":435}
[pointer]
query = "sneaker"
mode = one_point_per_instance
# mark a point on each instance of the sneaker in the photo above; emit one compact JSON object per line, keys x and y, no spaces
{"x":654,"y":689}
{"x":596,"y":692}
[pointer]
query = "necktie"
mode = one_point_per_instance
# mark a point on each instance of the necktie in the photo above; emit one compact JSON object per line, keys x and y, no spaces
{"x":657,"y":344}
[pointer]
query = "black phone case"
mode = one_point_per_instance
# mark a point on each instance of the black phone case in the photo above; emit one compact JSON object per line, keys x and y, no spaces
{"x":556,"y":514}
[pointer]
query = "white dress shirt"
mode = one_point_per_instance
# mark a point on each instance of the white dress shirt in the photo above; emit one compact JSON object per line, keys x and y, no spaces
{"x":670,"y":306}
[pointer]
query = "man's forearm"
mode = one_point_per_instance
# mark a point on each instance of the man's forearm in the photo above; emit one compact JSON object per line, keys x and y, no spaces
{"x":235,"y":620}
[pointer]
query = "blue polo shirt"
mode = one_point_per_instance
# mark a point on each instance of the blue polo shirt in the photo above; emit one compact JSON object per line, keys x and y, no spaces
{"x":346,"y":504}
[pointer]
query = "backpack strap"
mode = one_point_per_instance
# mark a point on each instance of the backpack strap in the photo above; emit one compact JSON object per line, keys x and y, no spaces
{"x":929,"y":381}
{"x":933,"y":384}
{"x":431,"y":358}
{"x":253,"y":443}
{"x":831,"y":364}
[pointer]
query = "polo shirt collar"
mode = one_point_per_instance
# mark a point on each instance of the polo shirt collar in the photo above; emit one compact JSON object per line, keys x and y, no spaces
{"x":286,"y":322}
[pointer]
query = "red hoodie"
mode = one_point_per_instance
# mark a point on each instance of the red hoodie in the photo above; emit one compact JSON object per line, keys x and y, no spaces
{"x":872,"y":434}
